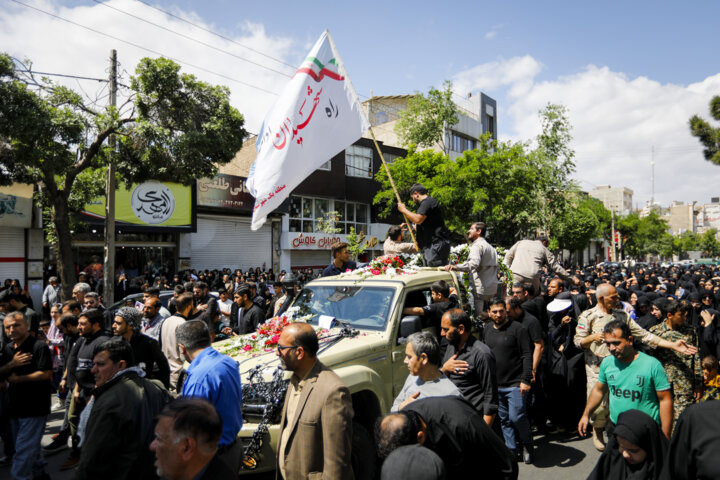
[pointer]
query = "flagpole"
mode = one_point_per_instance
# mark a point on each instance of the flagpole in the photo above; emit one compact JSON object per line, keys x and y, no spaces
{"x":392,"y":184}
{"x":341,"y":66}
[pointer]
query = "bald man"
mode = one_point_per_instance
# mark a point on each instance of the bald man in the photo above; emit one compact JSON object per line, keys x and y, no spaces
{"x":316,"y":425}
{"x":589,"y":337}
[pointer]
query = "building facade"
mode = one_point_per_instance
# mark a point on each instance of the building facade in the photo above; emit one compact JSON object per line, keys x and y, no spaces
{"x":615,"y":199}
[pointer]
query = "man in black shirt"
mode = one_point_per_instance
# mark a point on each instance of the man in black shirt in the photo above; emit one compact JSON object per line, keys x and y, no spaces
{"x":442,"y":301}
{"x":455,"y":431}
{"x":27,"y":367}
{"x":469,"y":364}
{"x":252,"y":315}
{"x":341,"y":261}
{"x":534,"y":305}
{"x":510,"y":343}
{"x":432,"y":236}
{"x":91,"y":335}
{"x":146,"y":350}
{"x":208,"y":306}
{"x":535,"y":399}
{"x":69,"y":329}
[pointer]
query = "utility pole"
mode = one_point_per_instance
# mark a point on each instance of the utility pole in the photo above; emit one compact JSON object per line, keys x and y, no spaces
{"x":109,"y":266}
{"x":612,"y":235}
{"x":652,"y":177}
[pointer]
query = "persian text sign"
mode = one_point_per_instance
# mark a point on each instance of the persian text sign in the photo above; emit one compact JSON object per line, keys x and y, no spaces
{"x":224,"y":191}
{"x":150,"y":204}
{"x":316,"y":117}
{"x":318,"y":241}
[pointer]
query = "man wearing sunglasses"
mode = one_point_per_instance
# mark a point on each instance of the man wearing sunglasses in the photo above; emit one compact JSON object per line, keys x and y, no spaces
{"x":316,"y":425}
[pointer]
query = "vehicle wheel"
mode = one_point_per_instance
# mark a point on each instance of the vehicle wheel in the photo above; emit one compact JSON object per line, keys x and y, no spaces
{"x":364,"y":455}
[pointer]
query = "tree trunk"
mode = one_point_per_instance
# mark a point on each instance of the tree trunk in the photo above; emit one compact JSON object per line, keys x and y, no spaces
{"x":63,"y":249}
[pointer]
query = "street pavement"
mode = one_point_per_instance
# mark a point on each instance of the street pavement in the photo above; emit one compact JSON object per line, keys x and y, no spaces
{"x":563,"y":456}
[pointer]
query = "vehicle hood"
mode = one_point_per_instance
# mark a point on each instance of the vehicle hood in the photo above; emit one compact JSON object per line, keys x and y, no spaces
{"x":334,"y":351}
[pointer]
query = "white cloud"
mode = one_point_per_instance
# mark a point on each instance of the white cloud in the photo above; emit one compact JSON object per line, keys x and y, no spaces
{"x":490,"y":35}
{"x":60,"y":47}
{"x":617,"y":120}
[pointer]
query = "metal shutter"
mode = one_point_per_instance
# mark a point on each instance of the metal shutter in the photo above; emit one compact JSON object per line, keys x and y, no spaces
{"x":310,"y":258}
{"x":12,"y":254}
{"x":222,"y":242}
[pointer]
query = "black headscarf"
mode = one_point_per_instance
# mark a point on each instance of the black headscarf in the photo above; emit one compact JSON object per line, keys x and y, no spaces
{"x":639,"y":428}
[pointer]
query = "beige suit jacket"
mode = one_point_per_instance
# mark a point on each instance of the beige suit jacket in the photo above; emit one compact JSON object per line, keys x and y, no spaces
{"x":321,"y":432}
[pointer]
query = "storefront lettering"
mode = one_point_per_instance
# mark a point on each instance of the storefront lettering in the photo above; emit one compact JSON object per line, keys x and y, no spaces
{"x":310,"y":241}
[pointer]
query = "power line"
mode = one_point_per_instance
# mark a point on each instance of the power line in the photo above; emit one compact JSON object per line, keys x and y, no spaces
{"x":155,"y":52}
{"x":216,"y":34}
{"x":99,"y":2}
{"x":64,"y":75}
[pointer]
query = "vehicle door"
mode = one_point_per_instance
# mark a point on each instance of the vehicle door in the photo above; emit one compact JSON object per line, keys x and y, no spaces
{"x":413,"y":297}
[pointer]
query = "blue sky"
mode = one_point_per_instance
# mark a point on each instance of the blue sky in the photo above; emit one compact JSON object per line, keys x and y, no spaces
{"x":630,"y":73}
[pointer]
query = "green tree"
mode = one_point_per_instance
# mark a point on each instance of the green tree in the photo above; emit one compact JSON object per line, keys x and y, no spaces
{"x":424,"y":121}
{"x":685,"y":242}
{"x":555,"y":157}
{"x":494,"y":183}
{"x":644,"y":236}
{"x":576,"y":226}
{"x":709,"y":243}
{"x":172,"y":127}
{"x":708,"y":135}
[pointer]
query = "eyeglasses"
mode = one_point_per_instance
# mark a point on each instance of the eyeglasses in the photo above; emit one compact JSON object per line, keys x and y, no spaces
{"x":280,"y":348}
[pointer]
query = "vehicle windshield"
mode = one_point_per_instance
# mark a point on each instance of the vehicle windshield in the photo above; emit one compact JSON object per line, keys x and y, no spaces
{"x":360,"y":306}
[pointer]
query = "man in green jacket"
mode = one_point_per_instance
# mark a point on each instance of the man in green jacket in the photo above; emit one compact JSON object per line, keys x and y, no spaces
{"x":116,"y":427}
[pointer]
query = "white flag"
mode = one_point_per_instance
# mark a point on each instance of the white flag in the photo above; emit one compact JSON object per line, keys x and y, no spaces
{"x":316,"y":117}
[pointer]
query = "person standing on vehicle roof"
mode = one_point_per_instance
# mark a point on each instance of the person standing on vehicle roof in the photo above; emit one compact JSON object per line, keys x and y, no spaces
{"x":432,"y":236}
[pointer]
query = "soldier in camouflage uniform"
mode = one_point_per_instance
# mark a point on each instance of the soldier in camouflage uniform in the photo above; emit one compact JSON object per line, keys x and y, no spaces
{"x":589,"y":337}
{"x":684,"y":372}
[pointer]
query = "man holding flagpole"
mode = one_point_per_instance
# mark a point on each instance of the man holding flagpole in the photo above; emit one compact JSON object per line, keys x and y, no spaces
{"x":432,"y":236}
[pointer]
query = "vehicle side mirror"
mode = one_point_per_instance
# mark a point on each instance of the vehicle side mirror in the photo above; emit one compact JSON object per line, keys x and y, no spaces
{"x":409,"y":325}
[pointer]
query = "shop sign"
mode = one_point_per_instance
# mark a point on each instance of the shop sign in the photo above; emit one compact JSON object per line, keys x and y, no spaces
{"x":149,"y":205}
{"x":224,"y":191}
{"x":320,"y":241}
{"x":16,"y":205}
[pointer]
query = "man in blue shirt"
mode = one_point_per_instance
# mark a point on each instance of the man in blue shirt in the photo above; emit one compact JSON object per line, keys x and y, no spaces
{"x":341,"y":261}
{"x":214,"y":377}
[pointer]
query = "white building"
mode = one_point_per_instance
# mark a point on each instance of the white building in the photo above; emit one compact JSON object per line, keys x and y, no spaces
{"x":615,"y":199}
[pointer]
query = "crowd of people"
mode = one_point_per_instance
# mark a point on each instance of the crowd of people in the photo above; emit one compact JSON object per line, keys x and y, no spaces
{"x":627,"y":354}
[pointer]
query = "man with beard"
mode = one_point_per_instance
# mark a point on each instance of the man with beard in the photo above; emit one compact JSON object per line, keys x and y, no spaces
{"x":316,"y":424}
{"x":146,"y":351}
{"x":81,"y":359}
{"x":469,"y":364}
{"x":510,"y":343}
{"x":482,"y":265}
{"x":117,"y":428}
{"x":214,"y":377}
{"x":633,"y":380}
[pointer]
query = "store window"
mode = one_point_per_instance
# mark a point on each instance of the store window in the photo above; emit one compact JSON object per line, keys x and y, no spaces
{"x":358,"y":162}
{"x":306,"y":211}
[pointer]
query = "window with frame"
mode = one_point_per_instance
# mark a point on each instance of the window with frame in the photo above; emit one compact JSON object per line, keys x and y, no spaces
{"x":358,"y":162}
{"x":460,"y":143}
{"x":306,"y":211}
{"x":353,"y":214}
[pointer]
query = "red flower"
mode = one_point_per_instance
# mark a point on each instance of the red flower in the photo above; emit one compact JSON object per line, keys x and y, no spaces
{"x":275,"y":339}
{"x":247,"y":348}
{"x":375,"y":271}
